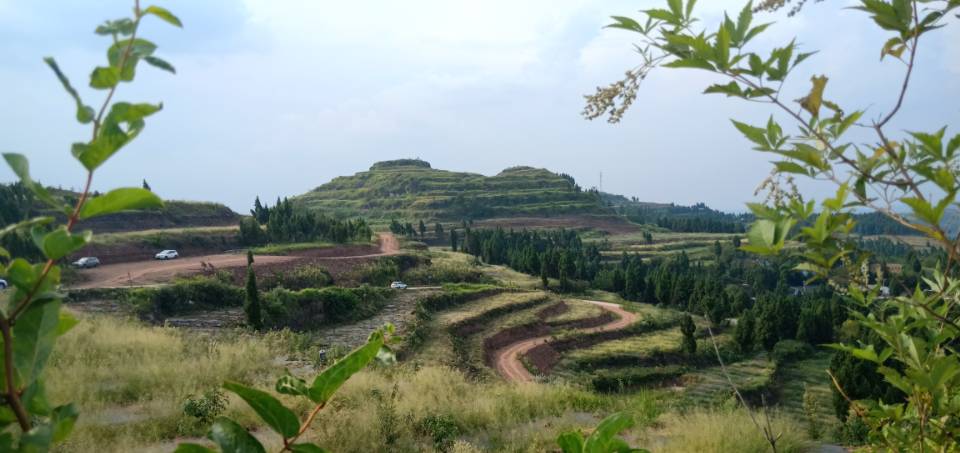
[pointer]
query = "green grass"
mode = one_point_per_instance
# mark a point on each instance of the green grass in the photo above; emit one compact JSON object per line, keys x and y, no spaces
{"x":136,"y":236}
{"x":808,"y":374}
{"x":283,"y":249}
{"x":709,"y":385}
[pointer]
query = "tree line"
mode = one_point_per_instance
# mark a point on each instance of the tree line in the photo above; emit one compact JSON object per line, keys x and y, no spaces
{"x":284,"y":223}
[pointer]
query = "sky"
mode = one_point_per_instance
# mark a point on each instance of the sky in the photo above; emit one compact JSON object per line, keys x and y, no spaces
{"x":276,"y":97}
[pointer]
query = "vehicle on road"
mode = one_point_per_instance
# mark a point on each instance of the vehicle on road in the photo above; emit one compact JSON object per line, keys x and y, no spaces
{"x":398,"y":285}
{"x":3,"y":284}
{"x":86,"y":262}
{"x":167,"y":255}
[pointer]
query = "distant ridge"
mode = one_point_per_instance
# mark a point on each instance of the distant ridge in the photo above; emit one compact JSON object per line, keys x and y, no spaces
{"x":412,"y":188}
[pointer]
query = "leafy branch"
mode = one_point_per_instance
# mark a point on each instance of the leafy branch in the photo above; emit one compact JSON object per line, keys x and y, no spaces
{"x":31,"y":320}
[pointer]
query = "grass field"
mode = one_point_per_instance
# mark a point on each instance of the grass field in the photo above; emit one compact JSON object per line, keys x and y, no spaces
{"x":709,"y":386}
{"x":808,"y":375}
{"x":133,"y":236}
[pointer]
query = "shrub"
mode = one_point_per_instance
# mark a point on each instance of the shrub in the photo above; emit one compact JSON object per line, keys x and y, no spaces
{"x":185,"y":296}
{"x":309,"y":308}
{"x":441,"y":429}
{"x":790,"y":350}
{"x":310,"y":276}
{"x":445,"y":273}
{"x":202,"y":410}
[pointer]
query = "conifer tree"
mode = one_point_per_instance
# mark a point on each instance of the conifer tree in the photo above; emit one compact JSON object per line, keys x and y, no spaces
{"x":252,"y":308}
{"x":688,"y":328}
{"x":146,"y":186}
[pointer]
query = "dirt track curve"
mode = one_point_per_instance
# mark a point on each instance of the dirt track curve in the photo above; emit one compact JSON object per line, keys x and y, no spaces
{"x":155,"y":271}
{"x":507,"y":359}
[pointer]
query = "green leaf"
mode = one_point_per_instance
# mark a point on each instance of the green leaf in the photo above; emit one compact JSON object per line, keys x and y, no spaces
{"x":60,"y":242}
{"x":35,"y":331}
{"x":163,"y":14}
{"x":37,"y":440}
{"x":104,"y":78}
{"x":125,"y":54}
{"x":327,"y":383}
{"x":232,"y":438}
{"x":62,"y":421}
{"x":754,"y":134}
{"x":743,"y":23}
{"x":306,"y":448}
{"x":122,"y":124}
{"x":116,"y":27}
{"x":722,"y":49}
{"x":571,"y":442}
{"x":604,"y":436}
{"x":67,"y":321}
{"x":812,"y":101}
{"x":36,"y":221}
{"x":85,"y":113}
{"x":662,"y":14}
{"x":791,"y":167}
{"x":21,"y":167}
{"x":695,"y":63}
{"x":193,"y":448}
{"x":731,"y":89}
{"x":117,"y":200}
{"x":292,"y":385}
{"x":271,"y":410}
{"x":159,"y":63}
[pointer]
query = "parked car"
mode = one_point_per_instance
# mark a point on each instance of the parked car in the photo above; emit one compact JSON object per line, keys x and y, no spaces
{"x":3,"y":284}
{"x":87,"y":262}
{"x":398,"y":285}
{"x":167,"y":255}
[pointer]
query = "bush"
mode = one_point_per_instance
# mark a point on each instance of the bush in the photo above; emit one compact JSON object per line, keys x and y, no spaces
{"x":310,"y":308}
{"x":185,"y":296}
{"x":445,"y":273}
{"x":310,"y":276}
{"x":441,"y":429}
{"x":790,"y":350}
{"x":390,"y":268}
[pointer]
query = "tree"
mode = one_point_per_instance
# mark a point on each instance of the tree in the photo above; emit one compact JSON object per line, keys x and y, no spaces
{"x":743,"y":335}
{"x":438,"y":230}
{"x":145,"y":185}
{"x":688,"y":329}
{"x":423,"y":229}
{"x":453,"y":240}
{"x":917,"y":169}
{"x":252,"y":307}
{"x":544,"y":274}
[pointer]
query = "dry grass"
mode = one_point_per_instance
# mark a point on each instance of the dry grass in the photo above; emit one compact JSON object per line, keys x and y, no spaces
{"x":721,"y":431}
{"x":130,"y":380}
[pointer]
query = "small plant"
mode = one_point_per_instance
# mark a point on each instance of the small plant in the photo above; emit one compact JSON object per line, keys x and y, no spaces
{"x":441,"y":429}
{"x":603,"y":439}
{"x":388,"y":418}
{"x":811,"y":410}
{"x":202,"y":411}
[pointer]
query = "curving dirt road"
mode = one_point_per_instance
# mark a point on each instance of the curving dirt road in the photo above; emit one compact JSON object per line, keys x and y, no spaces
{"x":155,"y":271}
{"x":507,"y":359}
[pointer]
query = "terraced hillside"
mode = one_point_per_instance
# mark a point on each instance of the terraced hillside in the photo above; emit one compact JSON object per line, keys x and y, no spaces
{"x":413,"y":189}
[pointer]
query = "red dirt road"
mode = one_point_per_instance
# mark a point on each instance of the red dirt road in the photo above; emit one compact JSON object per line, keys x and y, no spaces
{"x":155,"y":271}
{"x":507,"y":359}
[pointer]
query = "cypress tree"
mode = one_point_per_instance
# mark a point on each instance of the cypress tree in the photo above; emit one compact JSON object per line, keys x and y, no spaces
{"x":252,"y":308}
{"x":688,"y":328}
{"x":544,"y":278}
{"x":453,"y":240}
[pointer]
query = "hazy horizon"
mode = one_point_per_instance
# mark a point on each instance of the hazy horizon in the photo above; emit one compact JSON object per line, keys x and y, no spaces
{"x":274,"y":99}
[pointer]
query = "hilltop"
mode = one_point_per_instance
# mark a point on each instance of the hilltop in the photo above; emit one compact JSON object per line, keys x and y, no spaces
{"x":412,"y":188}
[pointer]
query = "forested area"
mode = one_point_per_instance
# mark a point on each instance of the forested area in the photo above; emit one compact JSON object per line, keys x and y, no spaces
{"x":286,"y":223}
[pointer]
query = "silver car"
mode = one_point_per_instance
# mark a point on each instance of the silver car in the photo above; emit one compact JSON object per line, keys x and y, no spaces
{"x":86,"y":262}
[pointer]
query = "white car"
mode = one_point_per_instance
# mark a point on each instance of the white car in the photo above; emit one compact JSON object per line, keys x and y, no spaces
{"x":398,"y":285}
{"x":87,"y":262}
{"x":167,"y":255}
{"x":3,"y":284}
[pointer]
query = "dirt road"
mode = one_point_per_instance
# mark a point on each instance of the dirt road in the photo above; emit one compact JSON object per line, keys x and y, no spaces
{"x":507,"y":359}
{"x":155,"y":271}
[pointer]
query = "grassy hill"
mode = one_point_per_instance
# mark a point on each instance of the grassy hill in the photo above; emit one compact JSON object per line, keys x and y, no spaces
{"x":410,"y":188}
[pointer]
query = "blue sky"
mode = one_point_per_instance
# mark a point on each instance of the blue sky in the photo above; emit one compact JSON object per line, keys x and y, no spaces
{"x":275,"y":97}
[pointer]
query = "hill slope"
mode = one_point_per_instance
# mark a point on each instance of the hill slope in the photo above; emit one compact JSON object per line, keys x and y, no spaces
{"x":410,"y":188}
